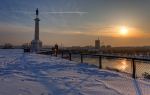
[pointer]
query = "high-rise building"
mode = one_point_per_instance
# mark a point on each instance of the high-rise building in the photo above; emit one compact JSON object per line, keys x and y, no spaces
{"x":36,"y":44}
{"x":97,"y":44}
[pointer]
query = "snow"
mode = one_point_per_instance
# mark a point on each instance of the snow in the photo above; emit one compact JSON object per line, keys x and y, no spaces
{"x":34,"y":74}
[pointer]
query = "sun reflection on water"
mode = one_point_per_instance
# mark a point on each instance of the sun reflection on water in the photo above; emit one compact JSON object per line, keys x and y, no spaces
{"x":123,"y":65}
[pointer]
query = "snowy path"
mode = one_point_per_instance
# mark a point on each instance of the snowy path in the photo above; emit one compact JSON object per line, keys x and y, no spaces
{"x":32,"y":74}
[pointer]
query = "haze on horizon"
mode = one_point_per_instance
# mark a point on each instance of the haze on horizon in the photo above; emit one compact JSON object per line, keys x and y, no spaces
{"x":76,"y":22}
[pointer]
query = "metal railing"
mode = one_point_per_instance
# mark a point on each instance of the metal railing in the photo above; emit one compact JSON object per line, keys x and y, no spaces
{"x":100,"y":56}
{"x":69,"y":55}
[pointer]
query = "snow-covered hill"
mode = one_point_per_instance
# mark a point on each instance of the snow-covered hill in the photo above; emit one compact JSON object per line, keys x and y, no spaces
{"x":33,"y":74}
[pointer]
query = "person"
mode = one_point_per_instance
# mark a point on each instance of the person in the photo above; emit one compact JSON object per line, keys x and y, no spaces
{"x":55,"y":49}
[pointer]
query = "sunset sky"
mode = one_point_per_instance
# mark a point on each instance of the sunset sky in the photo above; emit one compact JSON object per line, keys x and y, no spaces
{"x":76,"y":22}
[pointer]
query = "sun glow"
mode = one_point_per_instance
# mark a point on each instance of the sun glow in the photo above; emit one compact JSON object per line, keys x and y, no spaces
{"x":123,"y":65}
{"x":123,"y":30}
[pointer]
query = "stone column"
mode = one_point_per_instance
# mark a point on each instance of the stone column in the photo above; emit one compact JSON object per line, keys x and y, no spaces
{"x":36,"y":29}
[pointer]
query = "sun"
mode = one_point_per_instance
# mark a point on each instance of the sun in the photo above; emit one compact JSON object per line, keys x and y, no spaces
{"x":123,"y":30}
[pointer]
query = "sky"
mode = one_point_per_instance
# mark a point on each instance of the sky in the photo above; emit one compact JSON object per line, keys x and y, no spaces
{"x":76,"y":22}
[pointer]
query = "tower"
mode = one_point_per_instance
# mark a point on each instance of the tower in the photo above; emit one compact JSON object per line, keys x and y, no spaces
{"x":97,"y":44}
{"x":36,"y":44}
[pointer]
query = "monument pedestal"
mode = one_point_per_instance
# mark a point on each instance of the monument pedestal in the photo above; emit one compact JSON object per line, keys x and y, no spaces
{"x":36,"y":45}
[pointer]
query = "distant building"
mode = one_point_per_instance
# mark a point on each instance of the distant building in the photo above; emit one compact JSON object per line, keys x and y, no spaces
{"x":36,"y":44}
{"x":97,"y":44}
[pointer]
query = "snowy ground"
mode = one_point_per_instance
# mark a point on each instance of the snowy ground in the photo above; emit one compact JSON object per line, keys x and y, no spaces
{"x":32,"y":74}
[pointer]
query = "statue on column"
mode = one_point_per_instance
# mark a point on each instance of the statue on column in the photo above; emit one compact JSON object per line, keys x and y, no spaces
{"x":37,"y":12}
{"x":36,"y":44}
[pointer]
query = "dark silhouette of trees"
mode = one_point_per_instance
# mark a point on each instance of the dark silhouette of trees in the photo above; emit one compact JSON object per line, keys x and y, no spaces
{"x":7,"y":46}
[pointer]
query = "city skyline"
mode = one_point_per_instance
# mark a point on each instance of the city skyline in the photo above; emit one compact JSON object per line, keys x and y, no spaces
{"x":76,"y":22}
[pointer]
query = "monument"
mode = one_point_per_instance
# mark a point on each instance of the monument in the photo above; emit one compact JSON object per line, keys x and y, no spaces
{"x":36,"y":44}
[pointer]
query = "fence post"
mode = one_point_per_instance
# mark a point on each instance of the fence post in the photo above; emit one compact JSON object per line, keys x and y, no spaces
{"x":100,"y":62}
{"x":69,"y":56}
{"x":62,"y":54}
{"x":56,"y":54}
{"x":133,"y":69}
{"x":81,"y":58}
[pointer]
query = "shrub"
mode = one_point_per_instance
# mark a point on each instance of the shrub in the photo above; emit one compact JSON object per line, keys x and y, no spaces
{"x":146,"y":75}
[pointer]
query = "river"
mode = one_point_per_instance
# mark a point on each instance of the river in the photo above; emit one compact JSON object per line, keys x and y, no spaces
{"x":121,"y":65}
